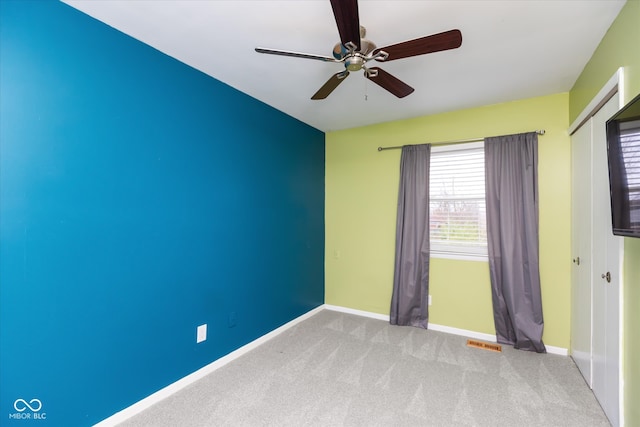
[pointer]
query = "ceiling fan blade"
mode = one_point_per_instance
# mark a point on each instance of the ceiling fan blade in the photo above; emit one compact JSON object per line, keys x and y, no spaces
{"x":330,"y":85}
{"x":348,"y":21}
{"x":434,"y":43}
{"x":388,"y":82}
{"x":296,"y":54}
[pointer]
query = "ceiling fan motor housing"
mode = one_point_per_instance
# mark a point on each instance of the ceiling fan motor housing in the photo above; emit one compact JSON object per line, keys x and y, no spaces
{"x":366,"y":47}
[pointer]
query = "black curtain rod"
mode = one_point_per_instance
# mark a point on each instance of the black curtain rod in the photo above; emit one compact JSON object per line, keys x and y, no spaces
{"x":460,"y":141}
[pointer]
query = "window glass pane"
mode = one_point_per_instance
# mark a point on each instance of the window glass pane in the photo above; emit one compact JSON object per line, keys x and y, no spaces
{"x":457,"y":200}
{"x":630,"y":145}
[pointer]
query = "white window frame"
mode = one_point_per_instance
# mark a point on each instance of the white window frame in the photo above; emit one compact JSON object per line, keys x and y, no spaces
{"x":466,"y":252}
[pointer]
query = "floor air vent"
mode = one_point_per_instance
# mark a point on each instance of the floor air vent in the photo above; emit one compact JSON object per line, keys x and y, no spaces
{"x":484,"y":345}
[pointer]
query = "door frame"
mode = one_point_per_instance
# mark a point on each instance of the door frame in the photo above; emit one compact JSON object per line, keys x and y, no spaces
{"x":614,"y":85}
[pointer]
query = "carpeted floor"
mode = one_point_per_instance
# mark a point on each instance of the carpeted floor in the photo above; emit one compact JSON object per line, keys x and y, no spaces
{"x":337,"y":369}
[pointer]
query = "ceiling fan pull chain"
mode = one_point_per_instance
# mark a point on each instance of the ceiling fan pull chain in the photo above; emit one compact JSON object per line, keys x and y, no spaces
{"x":366,"y":89}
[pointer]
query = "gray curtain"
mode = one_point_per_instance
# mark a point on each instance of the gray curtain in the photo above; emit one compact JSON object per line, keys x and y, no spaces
{"x":409,"y":301}
{"x":511,"y":169}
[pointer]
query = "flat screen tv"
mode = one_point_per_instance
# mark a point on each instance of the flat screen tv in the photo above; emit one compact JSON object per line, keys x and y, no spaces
{"x":623,"y":148}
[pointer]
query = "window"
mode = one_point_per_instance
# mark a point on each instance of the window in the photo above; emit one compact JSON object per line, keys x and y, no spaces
{"x":630,"y":145}
{"x":457,"y":211}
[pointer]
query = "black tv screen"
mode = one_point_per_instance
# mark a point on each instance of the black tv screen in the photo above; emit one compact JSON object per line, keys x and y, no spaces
{"x":623,"y":148}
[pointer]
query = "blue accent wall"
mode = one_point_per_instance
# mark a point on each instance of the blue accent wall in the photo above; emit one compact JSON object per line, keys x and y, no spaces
{"x":139,"y":198}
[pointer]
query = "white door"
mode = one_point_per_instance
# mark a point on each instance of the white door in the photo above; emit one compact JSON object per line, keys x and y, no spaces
{"x":606,"y":274}
{"x":581,"y":238}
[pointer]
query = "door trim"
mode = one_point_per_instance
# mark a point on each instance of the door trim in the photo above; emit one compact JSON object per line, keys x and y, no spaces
{"x":615,"y":84}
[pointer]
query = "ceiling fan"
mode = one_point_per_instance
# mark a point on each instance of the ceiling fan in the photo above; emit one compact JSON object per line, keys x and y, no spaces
{"x":354,"y":51}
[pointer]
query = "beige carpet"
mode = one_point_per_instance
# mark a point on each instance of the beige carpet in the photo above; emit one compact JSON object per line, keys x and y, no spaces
{"x":336,"y":369}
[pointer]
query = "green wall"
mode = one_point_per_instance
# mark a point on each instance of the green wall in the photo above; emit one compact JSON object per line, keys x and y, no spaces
{"x":620,"y":48}
{"x":361,"y":198}
{"x":631,"y":338}
{"x":362,"y":185}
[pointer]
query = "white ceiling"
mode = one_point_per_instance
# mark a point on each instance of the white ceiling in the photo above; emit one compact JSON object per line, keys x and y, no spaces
{"x":511,"y":49}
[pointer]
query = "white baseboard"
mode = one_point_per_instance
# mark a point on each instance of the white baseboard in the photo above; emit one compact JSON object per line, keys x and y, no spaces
{"x":462,"y":332}
{"x":440,"y":328}
{"x":362,"y":313}
{"x":167,"y":391}
{"x":560,"y":351}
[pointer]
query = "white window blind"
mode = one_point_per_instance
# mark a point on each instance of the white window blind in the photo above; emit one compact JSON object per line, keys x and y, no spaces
{"x":457,"y":201}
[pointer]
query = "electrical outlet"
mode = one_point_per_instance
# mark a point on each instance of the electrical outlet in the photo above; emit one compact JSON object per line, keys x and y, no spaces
{"x":201,"y":333}
{"x":429,"y":299}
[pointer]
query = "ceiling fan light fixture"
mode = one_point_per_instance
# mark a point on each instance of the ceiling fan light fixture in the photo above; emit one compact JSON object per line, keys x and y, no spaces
{"x":354,"y":62}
